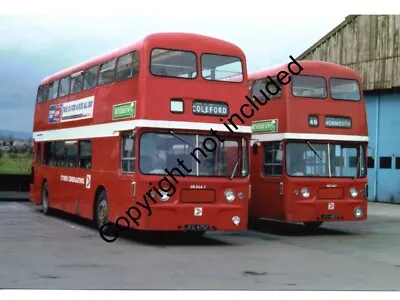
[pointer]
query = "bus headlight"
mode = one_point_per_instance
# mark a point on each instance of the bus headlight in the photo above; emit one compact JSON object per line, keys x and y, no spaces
{"x":358,"y":213}
{"x":164,"y":196}
{"x":229,"y":195}
{"x":353,"y":192}
{"x":240,"y":196}
{"x":305,"y":193}
{"x":236,"y":220}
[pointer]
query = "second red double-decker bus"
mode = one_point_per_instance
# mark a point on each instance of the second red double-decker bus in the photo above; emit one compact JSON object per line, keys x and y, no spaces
{"x":308,"y":162}
{"x":137,"y":133}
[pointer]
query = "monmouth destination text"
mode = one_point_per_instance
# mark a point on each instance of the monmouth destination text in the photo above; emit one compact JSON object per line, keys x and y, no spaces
{"x":167,"y":183}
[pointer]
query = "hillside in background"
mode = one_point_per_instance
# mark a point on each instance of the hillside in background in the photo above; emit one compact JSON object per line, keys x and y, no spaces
{"x":15,"y":134}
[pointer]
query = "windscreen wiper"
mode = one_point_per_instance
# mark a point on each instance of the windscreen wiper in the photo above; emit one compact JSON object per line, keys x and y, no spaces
{"x":315,"y":151}
{"x":235,"y":167}
{"x":178,"y":137}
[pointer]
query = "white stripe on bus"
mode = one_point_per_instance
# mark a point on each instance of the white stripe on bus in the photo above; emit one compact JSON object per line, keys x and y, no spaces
{"x":307,"y":136}
{"x":113,"y":129}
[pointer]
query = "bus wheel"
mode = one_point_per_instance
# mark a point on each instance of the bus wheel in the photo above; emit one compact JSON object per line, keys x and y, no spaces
{"x":101,"y":213}
{"x":312,"y":225}
{"x":252,"y":222}
{"x":45,"y":199}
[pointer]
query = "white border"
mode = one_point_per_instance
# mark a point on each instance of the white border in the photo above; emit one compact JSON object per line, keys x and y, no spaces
{"x":113,"y":129}
{"x":307,"y":136}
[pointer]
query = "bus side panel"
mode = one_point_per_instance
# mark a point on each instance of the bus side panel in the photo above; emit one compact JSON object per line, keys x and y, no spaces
{"x":105,"y":174}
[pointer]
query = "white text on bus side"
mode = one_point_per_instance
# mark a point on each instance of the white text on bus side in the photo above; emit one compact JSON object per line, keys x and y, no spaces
{"x":73,"y":179}
{"x":197,"y":187}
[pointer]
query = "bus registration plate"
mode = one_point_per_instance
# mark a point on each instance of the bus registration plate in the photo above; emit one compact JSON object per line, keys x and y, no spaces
{"x":331,"y":217}
{"x":196,"y":227}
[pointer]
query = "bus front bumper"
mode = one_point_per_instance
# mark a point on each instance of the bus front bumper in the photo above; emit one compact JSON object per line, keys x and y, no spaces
{"x":327,"y":211}
{"x":194,"y":217}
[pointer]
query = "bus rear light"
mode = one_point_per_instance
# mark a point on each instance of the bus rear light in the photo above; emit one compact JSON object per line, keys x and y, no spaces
{"x":281,"y":188}
{"x":353,"y":192}
{"x":249,"y":191}
{"x":176,"y":105}
{"x":133,"y":188}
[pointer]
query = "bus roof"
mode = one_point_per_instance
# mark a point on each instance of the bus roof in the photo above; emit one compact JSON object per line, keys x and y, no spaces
{"x":311,"y":67}
{"x":181,"y":40}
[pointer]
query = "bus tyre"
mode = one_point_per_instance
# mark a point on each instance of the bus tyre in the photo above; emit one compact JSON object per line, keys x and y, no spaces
{"x":312,"y":225}
{"x":45,"y":199}
{"x":252,"y":222}
{"x":101,"y":210}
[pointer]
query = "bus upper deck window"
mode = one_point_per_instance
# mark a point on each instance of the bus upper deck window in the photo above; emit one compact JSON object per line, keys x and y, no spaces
{"x":309,"y":86}
{"x":173,"y":63}
{"x":221,"y":68}
{"x":127,"y":66}
{"x":345,"y":89}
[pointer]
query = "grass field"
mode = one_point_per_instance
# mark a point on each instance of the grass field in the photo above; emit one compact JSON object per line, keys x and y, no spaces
{"x":15,"y":163}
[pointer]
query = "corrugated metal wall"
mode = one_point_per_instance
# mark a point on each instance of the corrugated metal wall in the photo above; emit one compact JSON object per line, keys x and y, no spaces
{"x":370,"y":44}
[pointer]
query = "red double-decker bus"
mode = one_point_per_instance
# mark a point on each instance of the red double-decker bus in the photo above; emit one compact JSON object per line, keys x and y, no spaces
{"x":145,"y":124}
{"x":309,"y":145}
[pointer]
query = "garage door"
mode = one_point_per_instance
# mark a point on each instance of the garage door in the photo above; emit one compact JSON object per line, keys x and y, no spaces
{"x":387,"y":161}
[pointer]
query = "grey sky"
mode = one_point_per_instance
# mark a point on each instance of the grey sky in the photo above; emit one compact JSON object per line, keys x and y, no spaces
{"x":34,"y":46}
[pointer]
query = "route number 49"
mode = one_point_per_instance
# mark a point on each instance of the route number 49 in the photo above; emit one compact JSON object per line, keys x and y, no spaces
{"x":198,"y":211}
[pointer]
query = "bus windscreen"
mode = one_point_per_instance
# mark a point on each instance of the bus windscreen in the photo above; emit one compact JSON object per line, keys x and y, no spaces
{"x":161,"y":151}
{"x":325,"y":160}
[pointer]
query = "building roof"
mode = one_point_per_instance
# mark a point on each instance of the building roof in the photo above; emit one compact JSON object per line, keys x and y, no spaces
{"x":369,"y":44}
{"x":347,"y":20}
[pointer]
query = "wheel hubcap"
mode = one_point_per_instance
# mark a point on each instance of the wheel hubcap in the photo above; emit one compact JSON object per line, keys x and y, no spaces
{"x":44,"y":200}
{"x":103,"y":212}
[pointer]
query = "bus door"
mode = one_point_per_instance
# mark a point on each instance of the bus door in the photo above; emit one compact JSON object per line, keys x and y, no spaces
{"x":270,"y":190}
